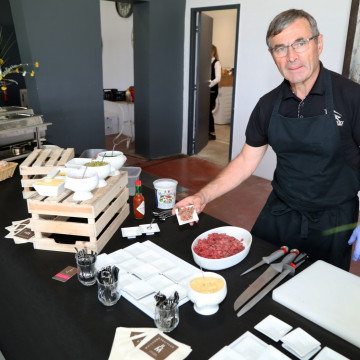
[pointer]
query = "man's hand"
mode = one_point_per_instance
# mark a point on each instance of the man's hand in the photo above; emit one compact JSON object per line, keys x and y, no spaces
{"x":355,"y":236}
{"x":196,"y":200}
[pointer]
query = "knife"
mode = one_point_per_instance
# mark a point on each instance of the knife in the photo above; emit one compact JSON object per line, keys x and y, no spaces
{"x":269,"y":259}
{"x":289,"y":269}
{"x":263,"y":279}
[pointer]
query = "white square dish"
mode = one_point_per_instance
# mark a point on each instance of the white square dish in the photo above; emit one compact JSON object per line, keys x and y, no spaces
{"x":227,"y":353}
{"x":273,"y":327}
{"x":131,"y":232}
{"x":50,"y":185}
{"x":120,"y":256}
{"x":249,"y":346}
{"x":159,"y":282}
{"x":176,"y":274}
{"x":271,"y":353}
{"x":163,"y":264}
{"x":145,"y":271}
{"x":329,"y":354}
{"x":170,"y":290}
{"x":300,"y":342}
{"x":131,"y":264}
{"x":153,"y":229}
{"x":149,"y":256}
{"x":194,"y":217}
{"x":139,"y":289}
{"x":308,"y":356}
{"x":136,"y":249}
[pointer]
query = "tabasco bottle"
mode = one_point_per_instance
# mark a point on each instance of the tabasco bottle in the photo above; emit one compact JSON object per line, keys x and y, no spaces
{"x":139,"y":201}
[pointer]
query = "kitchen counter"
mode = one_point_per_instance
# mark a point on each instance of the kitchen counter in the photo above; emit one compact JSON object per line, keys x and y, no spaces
{"x":42,"y":318}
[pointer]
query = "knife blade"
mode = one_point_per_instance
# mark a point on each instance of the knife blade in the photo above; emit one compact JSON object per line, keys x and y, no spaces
{"x":289,"y":269}
{"x":269,"y":259}
{"x":263,"y":279}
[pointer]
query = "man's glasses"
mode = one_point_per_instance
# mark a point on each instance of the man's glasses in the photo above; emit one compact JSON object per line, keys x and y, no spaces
{"x":298,"y":46}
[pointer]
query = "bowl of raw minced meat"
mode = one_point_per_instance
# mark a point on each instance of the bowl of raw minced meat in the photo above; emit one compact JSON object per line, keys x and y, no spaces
{"x":221,"y":248}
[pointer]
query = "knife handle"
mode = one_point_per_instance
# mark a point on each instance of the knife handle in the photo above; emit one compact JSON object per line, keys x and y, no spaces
{"x":286,"y":260}
{"x":297,"y":262}
{"x":276,"y":255}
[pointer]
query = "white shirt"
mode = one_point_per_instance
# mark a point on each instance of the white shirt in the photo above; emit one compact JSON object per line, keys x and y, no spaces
{"x":217,"y":73}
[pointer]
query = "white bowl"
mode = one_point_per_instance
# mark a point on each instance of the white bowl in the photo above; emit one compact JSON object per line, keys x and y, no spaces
{"x":77,"y":163}
{"x":226,"y":262}
{"x":206,"y":303}
{"x":115,"y":158}
{"x":102,"y":171}
{"x":82,"y":186}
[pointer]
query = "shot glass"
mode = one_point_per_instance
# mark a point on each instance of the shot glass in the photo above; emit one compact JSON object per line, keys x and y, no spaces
{"x":108,"y":293}
{"x":166,"y":319}
{"x":86,"y":272}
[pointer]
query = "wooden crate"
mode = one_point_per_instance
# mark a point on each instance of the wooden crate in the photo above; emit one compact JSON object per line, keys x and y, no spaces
{"x":41,"y":162}
{"x":91,"y":223}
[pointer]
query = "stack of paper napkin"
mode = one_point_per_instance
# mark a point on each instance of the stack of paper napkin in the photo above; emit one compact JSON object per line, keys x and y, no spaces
{"x":146,"y":344}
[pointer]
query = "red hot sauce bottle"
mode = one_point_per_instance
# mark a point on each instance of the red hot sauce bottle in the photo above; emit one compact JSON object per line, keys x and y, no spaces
{"x":139,"y":202}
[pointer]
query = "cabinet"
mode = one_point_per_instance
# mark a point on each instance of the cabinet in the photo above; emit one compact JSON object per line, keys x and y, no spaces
{"x":119,"y":117}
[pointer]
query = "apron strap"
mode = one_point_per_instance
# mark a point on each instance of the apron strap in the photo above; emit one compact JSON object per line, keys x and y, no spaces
{"x":305,"y":218}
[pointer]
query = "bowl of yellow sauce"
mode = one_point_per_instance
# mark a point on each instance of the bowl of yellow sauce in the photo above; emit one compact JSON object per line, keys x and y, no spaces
{"x":207,"y":290}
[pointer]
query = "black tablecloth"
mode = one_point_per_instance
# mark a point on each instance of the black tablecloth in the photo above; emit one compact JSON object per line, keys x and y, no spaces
{"x":42,"y":318}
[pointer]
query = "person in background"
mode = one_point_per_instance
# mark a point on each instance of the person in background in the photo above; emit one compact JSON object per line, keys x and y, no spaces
{"x":214,"y":88}
{"x":312,"y":122}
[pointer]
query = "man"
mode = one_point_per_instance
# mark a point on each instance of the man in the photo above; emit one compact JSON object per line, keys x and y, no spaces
{"x":312,"y":121}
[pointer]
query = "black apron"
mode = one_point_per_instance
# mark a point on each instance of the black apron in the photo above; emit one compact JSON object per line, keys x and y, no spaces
{"x":314,"y":188}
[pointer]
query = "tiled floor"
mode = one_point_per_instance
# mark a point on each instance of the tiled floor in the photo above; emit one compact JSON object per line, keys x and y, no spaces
{"x":240,"y":207}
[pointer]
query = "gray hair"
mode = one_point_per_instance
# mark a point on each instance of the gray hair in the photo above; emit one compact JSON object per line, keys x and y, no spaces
{"x":286,"y":18}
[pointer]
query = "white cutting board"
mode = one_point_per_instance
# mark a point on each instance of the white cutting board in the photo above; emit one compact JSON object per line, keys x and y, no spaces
{"x":327,"y":296}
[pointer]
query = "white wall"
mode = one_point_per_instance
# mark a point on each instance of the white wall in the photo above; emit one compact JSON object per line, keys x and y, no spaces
{"x":118,"y":54}
{"x":256,"y":72}
{"x":224,"y":35}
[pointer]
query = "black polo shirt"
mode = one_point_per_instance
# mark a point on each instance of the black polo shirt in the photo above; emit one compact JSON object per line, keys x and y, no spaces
{"x":346,"y":96}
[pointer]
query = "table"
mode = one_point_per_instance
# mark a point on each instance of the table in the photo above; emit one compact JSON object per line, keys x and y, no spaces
{"x":42,"y":318}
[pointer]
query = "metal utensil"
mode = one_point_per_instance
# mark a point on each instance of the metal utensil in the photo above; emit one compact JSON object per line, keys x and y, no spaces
{"x":84,"y":172}
{"x":150,"y":225}
{"x":289,"y":269}
{"x":269,"y":259}
{"x":52,"y":176}
{"x":263,"y":279}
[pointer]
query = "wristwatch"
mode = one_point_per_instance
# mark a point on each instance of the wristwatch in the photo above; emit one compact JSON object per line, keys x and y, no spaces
{"x":124,"y":8}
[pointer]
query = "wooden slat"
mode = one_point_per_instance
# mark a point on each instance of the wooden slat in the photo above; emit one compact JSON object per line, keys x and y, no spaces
{"x":63,"y":227}
{"x":40,"y":161}
{"x":54,"y":157}
{"x":111,"y":211}
{"x":110,"y":231}
{"x":67,"y":156}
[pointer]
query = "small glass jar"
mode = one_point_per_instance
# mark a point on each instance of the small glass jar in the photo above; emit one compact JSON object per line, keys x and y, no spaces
{"x":165,"y":319}
{"x":108,"y":293}
{"x":86,"y":273}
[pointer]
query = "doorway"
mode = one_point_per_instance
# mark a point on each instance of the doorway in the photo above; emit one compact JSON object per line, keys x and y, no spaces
{"x":225,"y":37}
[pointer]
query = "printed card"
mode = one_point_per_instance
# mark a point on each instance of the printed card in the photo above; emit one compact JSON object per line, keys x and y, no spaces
{"x":65,"y":274}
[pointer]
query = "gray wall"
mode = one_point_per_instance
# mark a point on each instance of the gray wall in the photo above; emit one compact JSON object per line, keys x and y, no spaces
{"x":65,"y":38}
{"x":159,"y":67}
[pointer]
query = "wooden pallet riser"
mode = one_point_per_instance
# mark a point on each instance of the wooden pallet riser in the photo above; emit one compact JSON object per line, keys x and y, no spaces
{"x":47,"y":243}
{"x":39,"y":164}
{"x":93,"y":228}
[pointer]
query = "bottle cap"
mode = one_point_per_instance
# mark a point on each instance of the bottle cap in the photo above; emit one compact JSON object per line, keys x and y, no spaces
{"x":137,"y":182}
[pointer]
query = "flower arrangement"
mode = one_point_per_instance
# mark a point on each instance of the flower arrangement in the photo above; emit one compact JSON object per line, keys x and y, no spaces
{"x":5,"y":81}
